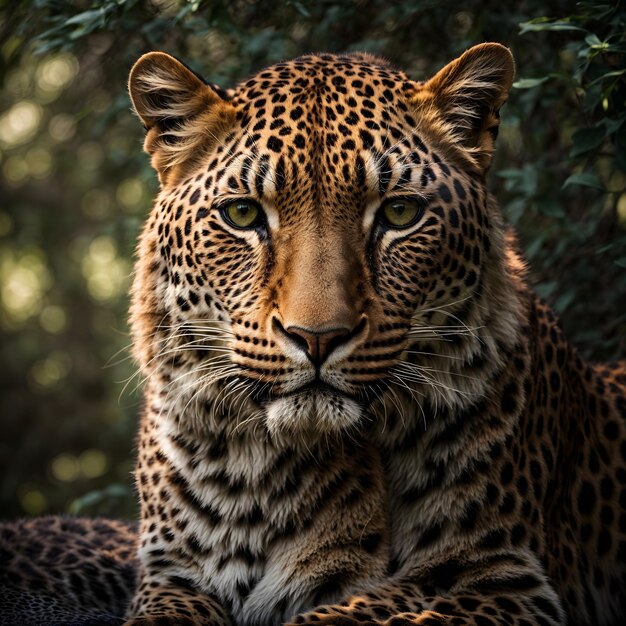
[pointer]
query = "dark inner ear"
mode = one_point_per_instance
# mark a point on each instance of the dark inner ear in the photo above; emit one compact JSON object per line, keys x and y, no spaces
{"x":160,"y":100}
{"x":164,"y":90}
{"x":484,"y":111}
{"x":183,"y":116}
{"x":467,"y":95}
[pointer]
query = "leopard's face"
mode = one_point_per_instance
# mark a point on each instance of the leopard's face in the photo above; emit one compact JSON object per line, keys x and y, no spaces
{"x":306,"y":236}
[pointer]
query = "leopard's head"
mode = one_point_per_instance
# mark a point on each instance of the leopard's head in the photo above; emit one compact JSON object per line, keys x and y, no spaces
{"x":322,"y":237}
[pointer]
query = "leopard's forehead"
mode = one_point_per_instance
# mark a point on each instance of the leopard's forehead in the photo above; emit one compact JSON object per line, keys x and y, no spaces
{"x":336,"y":125}
{"x":309,"y":77}
{"x":325,"y":99}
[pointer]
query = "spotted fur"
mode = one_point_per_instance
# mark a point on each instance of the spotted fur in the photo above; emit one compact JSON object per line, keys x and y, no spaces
{"x":346,"y":421}
{"x":56,"y":570}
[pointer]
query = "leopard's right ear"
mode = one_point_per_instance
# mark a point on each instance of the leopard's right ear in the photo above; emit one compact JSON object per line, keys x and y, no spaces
{"x":182,"y":115}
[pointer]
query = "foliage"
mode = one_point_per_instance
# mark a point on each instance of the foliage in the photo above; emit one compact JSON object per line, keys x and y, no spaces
{"x":586,"y":81}
{"x":75,"y":187}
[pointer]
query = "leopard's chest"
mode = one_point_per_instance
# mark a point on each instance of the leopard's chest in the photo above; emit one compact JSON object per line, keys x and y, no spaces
{"x":238,"y":517}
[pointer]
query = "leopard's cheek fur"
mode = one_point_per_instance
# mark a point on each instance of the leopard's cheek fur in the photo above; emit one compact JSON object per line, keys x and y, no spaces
{"x":196,"y":279}
{"x":440,"y":263}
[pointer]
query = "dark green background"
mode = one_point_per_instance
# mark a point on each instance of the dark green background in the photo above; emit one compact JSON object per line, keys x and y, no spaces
{"x":75,"y":187}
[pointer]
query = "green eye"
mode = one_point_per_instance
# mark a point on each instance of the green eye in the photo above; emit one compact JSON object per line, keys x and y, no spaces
{"x":242,"y":214}
{"x":401,"y":212}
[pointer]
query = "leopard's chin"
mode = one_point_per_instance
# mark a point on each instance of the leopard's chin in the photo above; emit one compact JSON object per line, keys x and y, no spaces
{"x":313,"y":413}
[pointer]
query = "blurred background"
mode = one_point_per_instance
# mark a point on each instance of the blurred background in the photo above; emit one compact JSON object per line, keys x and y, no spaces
{"x":75,"y":188}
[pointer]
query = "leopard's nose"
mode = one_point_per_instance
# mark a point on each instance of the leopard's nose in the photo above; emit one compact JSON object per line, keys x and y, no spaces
{"x":318,"y":344}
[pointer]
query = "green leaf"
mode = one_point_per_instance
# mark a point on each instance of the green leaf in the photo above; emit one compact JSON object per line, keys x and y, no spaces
{"x":529,"y":83}
{"x":550,"y":208}
{"x":564,"y":300}
{"x":593,"y":97}
{"x":586,"y":139}
{"x":615,"y":124}
{"x":584,"y":179}
{"x":514,"y":210}
{"x":97,"y":496}
{"x":302,"y":9}
{"x":545,"y":289}
{"x":547,"y":24}
{"x":534,"y":246}
{"x":593,"y":40}
{"x":510,"y":173}
{"x":613,"y":74}
{"x":621,"y":262}
{"x":87,"y":17}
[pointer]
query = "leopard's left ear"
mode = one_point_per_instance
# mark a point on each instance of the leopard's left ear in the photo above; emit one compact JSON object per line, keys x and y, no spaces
{"x":465,"y":97}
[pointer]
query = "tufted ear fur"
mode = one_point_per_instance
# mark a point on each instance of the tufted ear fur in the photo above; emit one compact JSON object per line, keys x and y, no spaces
{"x":464,"y":98}
{"x":182,"y":115}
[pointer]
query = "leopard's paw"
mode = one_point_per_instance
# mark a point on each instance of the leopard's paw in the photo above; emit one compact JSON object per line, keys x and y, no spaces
{"x":426,"y":618}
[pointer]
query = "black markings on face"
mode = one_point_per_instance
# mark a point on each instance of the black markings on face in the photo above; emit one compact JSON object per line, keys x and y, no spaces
{"x":309,"y":136}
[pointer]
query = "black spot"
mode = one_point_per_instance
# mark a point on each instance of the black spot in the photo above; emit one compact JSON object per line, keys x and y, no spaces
{"x":460,"y":192}
{"x":586,"y":498}
{"x":508,"y":504}
{"x":194,"y":197}
{"x":518,"y":533}
{"x":606,"y":487}
{"x":429,"y":536}
{"x":182,"y":303}
{"x":366,"y":138}
{"x":555,"y":381}
{"x":611,"y":430}
{"x":604,"y":542}
{"x":453,"y":216}
{"x":330,"y":587}
{"x":280,"y":174}
{"x":493,"y":539}
{"x":444,"y":193}
{"x":274,"y":143}
{"x":468,"y":521}
{"x":371,"y":542}
{"x":201,"y":213}
{"x":508,"y":403}
{"x":506,"y":474}
{"x":443,"y":576}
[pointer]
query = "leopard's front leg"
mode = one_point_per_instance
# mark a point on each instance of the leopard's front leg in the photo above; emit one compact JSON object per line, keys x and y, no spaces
{"x":173,"y":603}
{"x":172,"y":585}
{"x":515,"y":593}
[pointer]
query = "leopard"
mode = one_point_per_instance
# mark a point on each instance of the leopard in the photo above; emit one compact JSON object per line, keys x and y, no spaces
{"x":356,"y":409}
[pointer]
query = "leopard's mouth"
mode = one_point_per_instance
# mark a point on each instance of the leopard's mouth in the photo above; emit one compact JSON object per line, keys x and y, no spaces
{"x":315,"y":388}
{"x":321,"y":388}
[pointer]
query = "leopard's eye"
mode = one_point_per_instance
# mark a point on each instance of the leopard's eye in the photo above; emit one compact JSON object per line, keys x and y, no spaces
{"x":242,"y":214}
{"x":401,"y":212}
